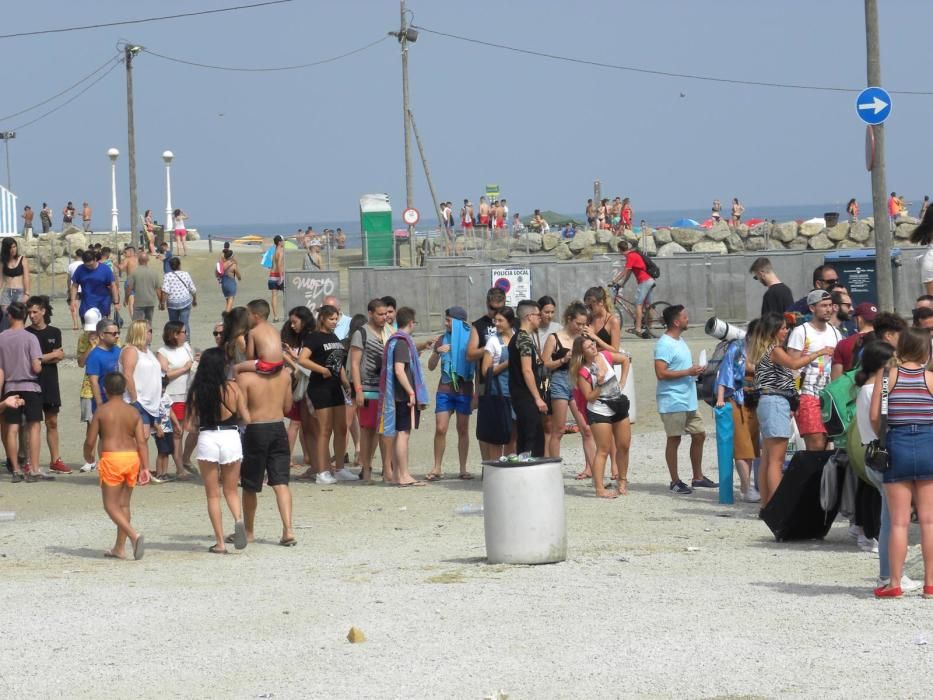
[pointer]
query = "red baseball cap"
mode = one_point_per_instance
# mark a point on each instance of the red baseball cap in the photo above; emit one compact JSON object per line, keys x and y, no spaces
{"x":866,"y":310}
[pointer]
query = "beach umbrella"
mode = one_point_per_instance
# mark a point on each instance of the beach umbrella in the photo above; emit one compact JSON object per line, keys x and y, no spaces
{"x":707,"y":224}
{"x":685,"y":223}
{"x":754,"y":222}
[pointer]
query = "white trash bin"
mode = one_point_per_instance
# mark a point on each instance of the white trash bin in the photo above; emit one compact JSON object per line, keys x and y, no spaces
{"x":523,"y":512}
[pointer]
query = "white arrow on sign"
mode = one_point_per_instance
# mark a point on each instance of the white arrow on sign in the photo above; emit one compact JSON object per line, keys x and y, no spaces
{"x":877,"y":104}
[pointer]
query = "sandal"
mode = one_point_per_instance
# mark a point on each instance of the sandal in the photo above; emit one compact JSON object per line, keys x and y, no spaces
{"x":433,"y":477}
{"x":465,"y":476}
{"x":215,"y":549}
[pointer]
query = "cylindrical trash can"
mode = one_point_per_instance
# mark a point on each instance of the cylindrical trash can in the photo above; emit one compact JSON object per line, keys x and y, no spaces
{"x":523,"y":512}
{"x":831,"y":218}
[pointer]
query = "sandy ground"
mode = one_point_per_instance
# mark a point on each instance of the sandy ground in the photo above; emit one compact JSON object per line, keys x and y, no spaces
{"x":660,"y":595}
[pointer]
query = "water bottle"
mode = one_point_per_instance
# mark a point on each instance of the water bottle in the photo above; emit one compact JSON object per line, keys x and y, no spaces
{"x":470,"y":509}
{"x":8,"y":515}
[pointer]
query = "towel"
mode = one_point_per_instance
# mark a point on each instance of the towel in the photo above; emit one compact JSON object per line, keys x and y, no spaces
{"x":454,"y":363}
{"x":387,"y":381}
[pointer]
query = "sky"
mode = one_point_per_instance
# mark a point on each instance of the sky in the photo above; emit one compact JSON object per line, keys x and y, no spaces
{"x":303,"y":145}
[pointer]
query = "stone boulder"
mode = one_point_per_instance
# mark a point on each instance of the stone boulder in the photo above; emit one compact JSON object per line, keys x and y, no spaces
{"x":59,"y":266}
{"x":847,"y":244}
{"x":668,"y":250}
{"x":785,"y":232}
{"x":562,"y":252}
{"x":75,"y":241}
{"x":742,"y":230}
{"x":859,"y":232}
{"x":532,"y":242}
{"x":69,"y":229}
{"x":648,"y":245}
{"x":811,"y":228}
{"x":663,"y":236}
{"x":799,"y":243}
{"x":821,"y":242}
{"x":754,"y":243}
{"x":870,"y":220}
{"x":604,"y":237}
{"x":735,"y":243}
{"x":499,"y":255}
{"x":904,"y":230}
{"x":583,"y":239}
{"x":719,"y":232}
{"x":193,"y":235}
{"x":630,"y":236}
{"x":761,"y":229}
{"x":717,"y":247}
{"x":549,"y":241}
{"x":906,"y":219}
{"x":686,"y":237}
{"x":837,"y":233}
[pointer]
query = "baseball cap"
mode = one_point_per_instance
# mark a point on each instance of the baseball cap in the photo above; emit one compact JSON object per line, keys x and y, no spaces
{"x":314,"y":242}
{"x":91,"y":318}
{"x":866,"y":310}
{"x":817,"y":295}
{"x":457,"y":312}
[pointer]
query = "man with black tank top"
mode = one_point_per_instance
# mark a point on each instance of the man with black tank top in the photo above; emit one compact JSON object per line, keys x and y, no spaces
{"x":483,"y":329}
{"x":525,"y":371}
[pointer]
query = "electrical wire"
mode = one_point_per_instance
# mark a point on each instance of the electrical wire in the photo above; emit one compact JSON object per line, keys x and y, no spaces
{"x":667,"y":74}
{"x":145,"y":19}
{"x":59,"y":94}
{"x":70,"y":99}
{"x":263,"y":70}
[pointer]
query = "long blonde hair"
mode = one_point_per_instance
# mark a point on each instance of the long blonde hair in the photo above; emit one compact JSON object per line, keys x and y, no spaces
{"x":576,"y":357}
{"x":137,"y":334}
{"x":763,"y":335}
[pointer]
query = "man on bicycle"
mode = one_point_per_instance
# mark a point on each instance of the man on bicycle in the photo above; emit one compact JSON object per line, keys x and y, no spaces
{"x":635,"y":264}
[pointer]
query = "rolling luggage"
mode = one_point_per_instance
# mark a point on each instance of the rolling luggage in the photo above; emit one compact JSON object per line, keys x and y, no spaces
{"x":794,"y":511}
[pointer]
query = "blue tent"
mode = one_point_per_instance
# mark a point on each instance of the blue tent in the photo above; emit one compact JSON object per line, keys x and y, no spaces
{"x":685,"y":223}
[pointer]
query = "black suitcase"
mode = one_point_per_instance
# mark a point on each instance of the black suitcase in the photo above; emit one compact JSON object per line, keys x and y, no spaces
{"x":794,"y":511}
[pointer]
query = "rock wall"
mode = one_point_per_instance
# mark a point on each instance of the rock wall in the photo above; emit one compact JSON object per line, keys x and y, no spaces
{"x":51,"y":253}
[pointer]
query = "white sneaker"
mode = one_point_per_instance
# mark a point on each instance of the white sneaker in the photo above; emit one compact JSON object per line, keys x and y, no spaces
{"x":346,"y":475}
{"x":855,"y":531}
{"x":907,"y":584}
{"x":89,"y":467}
{"x":752,"y":495}
{"x":326,"y":478}
{"x":868,"y":545}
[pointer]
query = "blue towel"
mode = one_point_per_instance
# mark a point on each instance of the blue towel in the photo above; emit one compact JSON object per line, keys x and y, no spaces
{"x":454,"y":363}
{"x":387,"y":381}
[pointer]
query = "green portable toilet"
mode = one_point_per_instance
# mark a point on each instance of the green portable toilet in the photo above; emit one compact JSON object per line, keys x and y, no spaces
{"x":376,"y":227}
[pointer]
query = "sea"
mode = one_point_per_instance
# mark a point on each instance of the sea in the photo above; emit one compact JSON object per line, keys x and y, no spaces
{"x":654,"y":218}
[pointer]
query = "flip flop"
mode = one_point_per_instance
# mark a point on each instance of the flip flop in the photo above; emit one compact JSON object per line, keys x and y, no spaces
{"x":110,"y":555}
{"x":466,"y":476}
{"x":288,"y":542}
{"x":239,"y":534}
{"x":410,"y":484}
{"x":433,"y":477}
{"x":213,"y":550}
{"x":190,"y":469}
{"x":139,"y":548}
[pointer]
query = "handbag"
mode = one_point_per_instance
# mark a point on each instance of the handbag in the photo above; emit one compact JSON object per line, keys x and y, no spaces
{"x":876,"y":452}
{"x":300,"y":383}
{"x":494,"y":417}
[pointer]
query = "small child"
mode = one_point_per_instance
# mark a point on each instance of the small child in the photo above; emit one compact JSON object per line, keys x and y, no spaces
{"x":165,"y":428}
{"x":123,"y":454}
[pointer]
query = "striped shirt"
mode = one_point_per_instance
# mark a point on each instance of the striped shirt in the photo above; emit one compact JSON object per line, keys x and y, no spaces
{"x":771,"y":376}
{"x":909,"y":400}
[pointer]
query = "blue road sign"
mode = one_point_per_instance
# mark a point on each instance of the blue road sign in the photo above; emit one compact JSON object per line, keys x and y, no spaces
{"x":873,"y":105}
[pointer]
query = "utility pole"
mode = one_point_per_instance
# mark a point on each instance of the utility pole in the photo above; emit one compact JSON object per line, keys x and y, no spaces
{"x":6,"y":136}
{"x":409,"y":194}
{"x":130,"y":51}
{"x":879,"y":188}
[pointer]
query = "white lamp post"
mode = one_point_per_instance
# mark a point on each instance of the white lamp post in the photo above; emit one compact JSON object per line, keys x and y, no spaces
{"x":113,"y":153}
{"x":167,"y":227}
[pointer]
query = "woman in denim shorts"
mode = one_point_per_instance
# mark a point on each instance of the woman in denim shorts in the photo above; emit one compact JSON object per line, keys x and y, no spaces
{"x":909,"y":477}
{"x":774,"y":382}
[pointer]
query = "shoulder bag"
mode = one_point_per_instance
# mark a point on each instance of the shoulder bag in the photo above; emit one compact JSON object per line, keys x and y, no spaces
{"x":876,"y":452}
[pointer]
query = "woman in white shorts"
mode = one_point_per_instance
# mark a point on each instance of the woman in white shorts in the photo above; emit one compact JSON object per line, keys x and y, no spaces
{"x":213,"y":408}
{"x":923,"y":235}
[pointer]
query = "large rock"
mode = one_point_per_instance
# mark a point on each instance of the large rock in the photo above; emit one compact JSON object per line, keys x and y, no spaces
{"x":906,"y":219}
{"x":870,"y":220}
{"x":761,"y":229}
{"x":562,"y":252}
{"x":630,"y":235}
{"x":59,"y":266}
{"x":839,"y":232}
{"x":719,"y":232}
{"x":785,"y":232}
{"x":663,"y":236}
{"x":583,"y":239}
{"x":686,"y":237}
{"x":859,"y":232}
{"x":549,"y":241}
{"x":717,"y":247}
{"x":75,"y":241}
{"x":670,"y":249}
{"x":604,"y":237}
{"x":847,"y":244}
{"x":811,"y":228}
{"x":70,"y":229}
{"x":799,"y":243}
{"x":742,"y":230}
{"x":499,"y":254}
{"x":821,"y":242}
{"x":754,"y":243}
{"x":193,"y":235}
{"x":648,"y":245}
{"x":735,"y":243}
{"x":904,"y":230}
{"x":532,"y":242}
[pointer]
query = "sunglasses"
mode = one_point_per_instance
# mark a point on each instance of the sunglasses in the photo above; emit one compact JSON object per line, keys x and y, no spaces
{"x":217,"y":334}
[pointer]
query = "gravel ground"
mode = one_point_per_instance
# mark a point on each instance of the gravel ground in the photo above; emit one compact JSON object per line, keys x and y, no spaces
{"x":659,"y":596}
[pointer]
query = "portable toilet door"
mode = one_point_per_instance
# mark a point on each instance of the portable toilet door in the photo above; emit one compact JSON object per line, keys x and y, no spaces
{"x":376,"y":228}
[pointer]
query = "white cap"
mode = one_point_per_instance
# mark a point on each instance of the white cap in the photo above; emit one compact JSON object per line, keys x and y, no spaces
{"x":91,"y":318}
{"x":314,"y":242}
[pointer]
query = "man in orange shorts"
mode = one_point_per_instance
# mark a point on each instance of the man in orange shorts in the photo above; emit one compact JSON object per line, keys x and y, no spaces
{"x":123,"y":453}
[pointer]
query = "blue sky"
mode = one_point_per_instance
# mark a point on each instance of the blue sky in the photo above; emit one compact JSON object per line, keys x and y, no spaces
{"x":303,"y":145}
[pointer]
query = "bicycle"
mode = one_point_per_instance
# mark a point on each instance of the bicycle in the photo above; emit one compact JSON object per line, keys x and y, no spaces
{"x":652,"y":319}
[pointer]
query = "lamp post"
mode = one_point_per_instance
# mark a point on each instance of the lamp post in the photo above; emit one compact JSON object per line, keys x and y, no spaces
{"x":167,"y":157}
{"x":113,"y":153}
{"x":5,"y":136}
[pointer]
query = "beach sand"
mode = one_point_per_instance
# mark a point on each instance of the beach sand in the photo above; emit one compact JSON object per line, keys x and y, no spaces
{"x":659,"y":596}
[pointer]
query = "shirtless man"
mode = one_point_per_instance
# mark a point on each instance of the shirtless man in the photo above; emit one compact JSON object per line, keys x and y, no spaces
{"x":265,"y":447}
{"x":484,"y":216}
{"x":123,"y":454}
{"x":126,"y":268}
{"x":86,"y":217}
{"x":68,"y":214}
{"x":277,"y":275}
{"x":263,"y":343}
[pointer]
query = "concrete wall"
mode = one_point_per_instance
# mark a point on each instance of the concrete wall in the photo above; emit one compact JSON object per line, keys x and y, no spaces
{"x":708,"y":285}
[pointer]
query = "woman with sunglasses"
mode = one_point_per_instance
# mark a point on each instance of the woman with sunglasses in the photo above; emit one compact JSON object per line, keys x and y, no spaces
{"x":604,"y":326}
{"x":177,"y":358}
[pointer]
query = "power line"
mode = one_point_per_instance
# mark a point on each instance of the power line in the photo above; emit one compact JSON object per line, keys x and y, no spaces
{"x":667,"y":74}
{"x":141,"y":21}
{"x":59,"y":94}
{"x":70,"y":99}
{"x":263,"y":70}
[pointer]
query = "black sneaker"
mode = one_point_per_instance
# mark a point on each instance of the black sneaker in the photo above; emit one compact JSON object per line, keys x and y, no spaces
{"x":647,"y":335}
{"x":679,"y":488}
{"x":31,"y":478}
{"x":704,"y":483}
{"x":17,"y":477}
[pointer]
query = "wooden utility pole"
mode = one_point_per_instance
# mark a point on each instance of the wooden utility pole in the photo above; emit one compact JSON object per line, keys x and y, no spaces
{"x":409,"y":194}
{"x":130,"y":51}
{"x":879,"y":188}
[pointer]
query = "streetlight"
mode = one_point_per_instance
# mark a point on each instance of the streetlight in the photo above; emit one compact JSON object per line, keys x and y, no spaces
{"x":167,"y":156}
{"x":6,"y":136}
{"x":113,"y":153}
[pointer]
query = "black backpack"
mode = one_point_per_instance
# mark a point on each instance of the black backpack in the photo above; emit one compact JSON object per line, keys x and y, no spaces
{"x":706,"y":382}
{"x":651,"y":267}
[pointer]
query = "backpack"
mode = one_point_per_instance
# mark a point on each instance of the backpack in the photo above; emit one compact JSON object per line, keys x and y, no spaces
{"x":706,"y":382}
{"x":651,"y":267}
{"x":837,"y":404}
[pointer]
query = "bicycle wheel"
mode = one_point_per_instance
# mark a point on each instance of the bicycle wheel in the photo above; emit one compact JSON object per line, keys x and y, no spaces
{"x":656,"y":311}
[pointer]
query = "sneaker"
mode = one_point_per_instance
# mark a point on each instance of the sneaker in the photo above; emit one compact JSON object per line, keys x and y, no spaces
{"x":17,"y":477}
{"x":679,"y":488}
{"x":752,"y":495}
{"x":59,"y":467}
{"x":159,"y":478}
{"x":346,"y":475}
{"x":868,"y":545}
{"x":704,"y":483}
{"x":908,"y":585}
{"x":326,"y":478}
{"x":855,"y":531}
{"x":89,"y":467}
{"x":646,"y":334}
{"x":31,"y":478}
